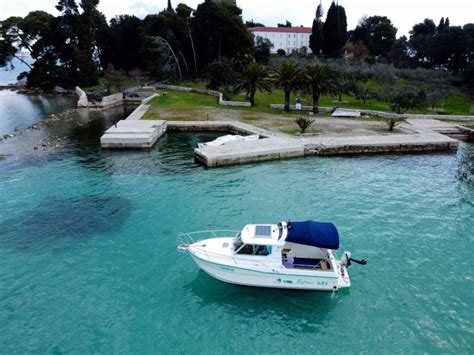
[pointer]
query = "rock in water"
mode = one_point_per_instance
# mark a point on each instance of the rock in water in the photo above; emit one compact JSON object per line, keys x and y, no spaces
{"x":59,"y":223}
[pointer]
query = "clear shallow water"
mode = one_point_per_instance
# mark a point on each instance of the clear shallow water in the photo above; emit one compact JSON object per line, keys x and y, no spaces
{"x":17,"y":110}
{"x":8,"y":75}
{"x":88,"y":259}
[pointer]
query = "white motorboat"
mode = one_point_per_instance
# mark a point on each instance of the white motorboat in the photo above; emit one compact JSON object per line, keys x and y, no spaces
{"x":229,"y":139}
{"x":293,"y":255}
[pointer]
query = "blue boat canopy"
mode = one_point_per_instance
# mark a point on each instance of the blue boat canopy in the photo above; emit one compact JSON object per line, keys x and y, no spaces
{"x":312,"y":233}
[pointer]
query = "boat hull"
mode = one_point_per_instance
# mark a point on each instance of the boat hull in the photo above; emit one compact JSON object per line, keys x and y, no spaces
{"x":272,"y":279}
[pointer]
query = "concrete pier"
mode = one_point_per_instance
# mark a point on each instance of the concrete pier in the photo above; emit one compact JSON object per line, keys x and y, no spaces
{"x":249,"y":152}
{"x":400,"y":143}
{"x":133,"y":134}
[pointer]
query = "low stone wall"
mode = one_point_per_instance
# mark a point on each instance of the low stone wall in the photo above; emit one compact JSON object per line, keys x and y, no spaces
{"x":386,"y":115}
{"x":225,"y":126}
{"x":405,"y":116}
{"x":380,"y":149}
{"x":82,"y":101}
{"x":111,"y":100}
{"x":214,"y":93}
{"x":303,"y":108}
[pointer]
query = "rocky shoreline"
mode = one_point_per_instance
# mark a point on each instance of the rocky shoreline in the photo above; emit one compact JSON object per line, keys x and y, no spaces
{"x":20,"y":89}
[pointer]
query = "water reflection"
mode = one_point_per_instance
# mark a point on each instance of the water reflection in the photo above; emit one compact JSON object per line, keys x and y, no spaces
{"x":64,"y":220}
{"x":19,"y":110}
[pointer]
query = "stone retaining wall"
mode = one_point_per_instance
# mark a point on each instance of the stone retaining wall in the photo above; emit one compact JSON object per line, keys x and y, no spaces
{"x":108,"y":101}
{"x":303,"y":108}
{"x":214,"y":93}
{"x":82,"y":101}
{"x":382,"y":114}
{"x":380,"y":148}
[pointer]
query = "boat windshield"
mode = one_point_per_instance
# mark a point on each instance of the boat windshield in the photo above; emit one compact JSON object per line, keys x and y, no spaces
{"x":237,"y":242}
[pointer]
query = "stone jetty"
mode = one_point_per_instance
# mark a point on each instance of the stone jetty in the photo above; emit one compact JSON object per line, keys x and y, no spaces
{"x":136,"y":133}
{"x":133,"y":134}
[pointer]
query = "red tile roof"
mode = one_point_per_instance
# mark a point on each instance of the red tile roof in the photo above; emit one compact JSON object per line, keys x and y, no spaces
{"x":281,"y":29}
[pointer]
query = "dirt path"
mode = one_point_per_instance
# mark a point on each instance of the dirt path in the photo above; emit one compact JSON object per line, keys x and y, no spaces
{"x":323,"y":125}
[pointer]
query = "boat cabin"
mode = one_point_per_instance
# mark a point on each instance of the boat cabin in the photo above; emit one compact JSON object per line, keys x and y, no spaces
{"x":294,"y":244}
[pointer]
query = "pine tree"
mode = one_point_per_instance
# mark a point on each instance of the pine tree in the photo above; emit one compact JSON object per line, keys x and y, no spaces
{"x":335,"y":31}
{"x":316,"y":40}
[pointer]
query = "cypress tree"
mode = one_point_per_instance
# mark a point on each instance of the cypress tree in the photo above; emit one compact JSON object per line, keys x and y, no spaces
{"x":441,"y":25}
{"x":170,"y":7}
{"x":316,"y":40}
{"x":335,"y":31}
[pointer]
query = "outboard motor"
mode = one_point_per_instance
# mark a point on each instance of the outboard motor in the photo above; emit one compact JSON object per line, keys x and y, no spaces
{"x":346,"y":259}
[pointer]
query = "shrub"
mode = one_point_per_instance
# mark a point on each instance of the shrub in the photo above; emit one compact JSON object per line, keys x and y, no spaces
{"x":392,"y":122}
{"x":303,"y":123}
{"x":404,"y":98}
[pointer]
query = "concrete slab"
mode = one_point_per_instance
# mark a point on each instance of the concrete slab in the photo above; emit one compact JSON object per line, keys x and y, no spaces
{"x":397,"y":143}
{"x":250,"y":151}
{"x":133,"y":134}
{"x":140,"y":123}
{"x":344,"y":112}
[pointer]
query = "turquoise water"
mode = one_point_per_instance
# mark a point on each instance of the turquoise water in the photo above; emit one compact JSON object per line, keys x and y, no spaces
{"x":88,"y":259}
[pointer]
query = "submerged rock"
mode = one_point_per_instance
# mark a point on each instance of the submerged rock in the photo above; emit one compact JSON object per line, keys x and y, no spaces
{"x":58,"y":223}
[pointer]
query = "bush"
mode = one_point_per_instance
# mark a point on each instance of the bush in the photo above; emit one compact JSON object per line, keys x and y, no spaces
{"x":303,"y":123}
{"x":392,"y":122}
{"x":47,"y":85}
{"x":363,"y":93}
{"x":404,"y":98}
{"x":94,"y":96}
{"x":221,"y":73}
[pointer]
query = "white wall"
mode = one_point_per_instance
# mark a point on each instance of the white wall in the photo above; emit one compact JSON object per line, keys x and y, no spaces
{"x":285,"y":40}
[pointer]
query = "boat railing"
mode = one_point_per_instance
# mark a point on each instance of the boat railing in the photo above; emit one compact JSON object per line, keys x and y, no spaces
{"x":186,"y":239}
{"x":193,"y":237}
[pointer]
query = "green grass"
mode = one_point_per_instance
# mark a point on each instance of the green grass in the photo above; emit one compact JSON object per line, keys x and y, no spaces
{"x":183,"y":100}
{"x":458,"y":104}
{"x":250,"y":118}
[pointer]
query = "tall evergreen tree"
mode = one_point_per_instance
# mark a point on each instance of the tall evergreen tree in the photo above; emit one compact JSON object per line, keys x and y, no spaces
{"x":218,"y":31}
{"x":78,"y":48}
{"x":377,"y":33}
{"x":440,"y":25}
{"x":169,"y":7}
{"x":316,"y":40}
{"x":335,"y":31}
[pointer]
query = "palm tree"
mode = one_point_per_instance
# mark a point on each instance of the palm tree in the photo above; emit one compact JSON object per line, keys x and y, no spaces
{"x":253,"y":78}
{"x":321,"y":80}
{"x":288,"y":78}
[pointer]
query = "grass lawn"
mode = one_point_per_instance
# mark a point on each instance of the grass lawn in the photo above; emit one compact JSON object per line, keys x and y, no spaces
{"x":457,"y":104}
{"x":186,"y":106}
